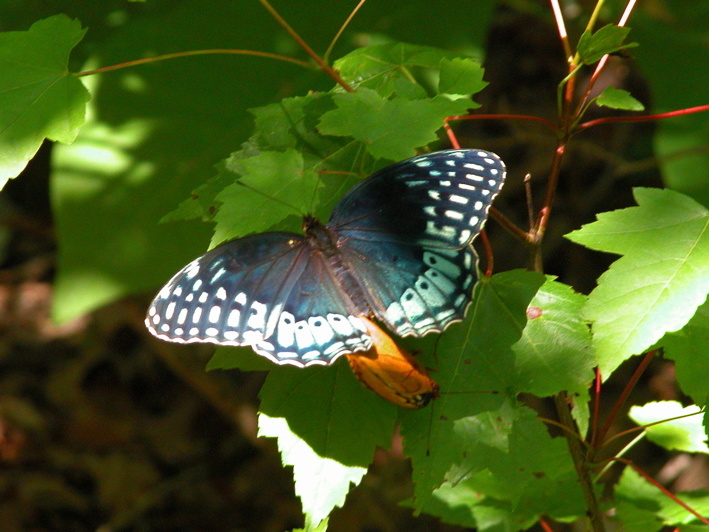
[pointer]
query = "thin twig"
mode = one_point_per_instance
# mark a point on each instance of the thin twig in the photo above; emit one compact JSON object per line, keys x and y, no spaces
{"x":630,"y":385}
{"x":644,"y":118}
{"x":305,"y":46}
{"x":188,"y":53}
{"x":544,"y":121}
{"x":593,"y":510}
{"x":326,"y":55}
{"x":663,"y":489}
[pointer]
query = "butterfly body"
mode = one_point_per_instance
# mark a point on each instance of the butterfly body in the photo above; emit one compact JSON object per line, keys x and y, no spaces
{"x":396,"y":248}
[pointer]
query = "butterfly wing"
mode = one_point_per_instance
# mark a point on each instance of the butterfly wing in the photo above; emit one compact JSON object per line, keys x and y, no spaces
{"x":406,"y":233}
{"x":438,"y":200}
{"x":270,"y":291}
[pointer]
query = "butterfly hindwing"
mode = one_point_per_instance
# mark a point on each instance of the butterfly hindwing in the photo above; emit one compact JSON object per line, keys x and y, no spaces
{"x":414,"y":289}
{"x":266,"y":291}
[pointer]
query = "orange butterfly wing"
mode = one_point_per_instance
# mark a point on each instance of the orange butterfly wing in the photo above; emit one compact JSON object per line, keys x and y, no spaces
{"x":391,"y":372}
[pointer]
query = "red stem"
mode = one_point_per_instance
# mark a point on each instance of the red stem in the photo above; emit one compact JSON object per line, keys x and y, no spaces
{"x":663,"y":489}
{"x":596,"y":407}
{"x":624,"y":396}
{"x":544,"y":121}
{"x":645,"y":118}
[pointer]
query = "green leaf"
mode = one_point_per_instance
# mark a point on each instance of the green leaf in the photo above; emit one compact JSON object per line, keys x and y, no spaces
{"x":243,"y":358}
{"x":328,"y":408}
{"x":40,"y":98}
{"x":608,"y":39}
{"x":643,"y":507}
{"x":476,"y":373}
{"x":689,"y":348}
{"x":461,"y":77}
{"x":660,"y":281}
{"x":153,"y":135}
{"x":387,"y":68}
{"x":685,"y":434}
{"x":391,"y":129}
{"x":671,"y":42}
{"x":272,"y":184}
{"x":533,"y":476}
{"x":555,"y":352}
{"x":618,"y":99}
{"x":321,"y":483}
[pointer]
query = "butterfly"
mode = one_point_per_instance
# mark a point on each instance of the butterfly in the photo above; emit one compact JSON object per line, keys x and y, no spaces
{"x":397,"y":248}
{"x":391,"y":372}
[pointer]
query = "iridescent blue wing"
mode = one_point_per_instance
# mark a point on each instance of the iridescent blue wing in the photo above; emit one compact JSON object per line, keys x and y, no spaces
{"x":439,"y":200}
{"x":406,"y":233}
{"x":269,"y":291}
{"x":414,"y":289}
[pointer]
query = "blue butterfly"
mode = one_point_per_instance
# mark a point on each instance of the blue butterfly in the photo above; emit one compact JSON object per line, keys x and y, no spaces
{"x":397,"y":248}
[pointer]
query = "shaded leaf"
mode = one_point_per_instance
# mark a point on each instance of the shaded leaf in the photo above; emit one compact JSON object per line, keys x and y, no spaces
{"x":390,"y":129}
{"x":461,"y":77}
{"x":606,"y":40}
{"x":386,"y":68}
{"x":476,"y":373}
{"x":272,"y":184}
{"x":689,"y":348}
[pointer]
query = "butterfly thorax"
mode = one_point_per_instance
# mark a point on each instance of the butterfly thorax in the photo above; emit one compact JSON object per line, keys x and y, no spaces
{"x":321,"y":238}
{"x":324,"y":241}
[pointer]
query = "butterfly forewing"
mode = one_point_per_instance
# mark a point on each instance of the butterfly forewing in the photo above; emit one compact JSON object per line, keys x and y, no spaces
{"x":267,"y":291}
{"x":438,"y":199}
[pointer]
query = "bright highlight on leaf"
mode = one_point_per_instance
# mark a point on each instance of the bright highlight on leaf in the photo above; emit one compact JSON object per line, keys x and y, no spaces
{"x":321,"y":483}
{"x":659,"y":282}
{"x":40,"y":99}
{"x":684,"y":434}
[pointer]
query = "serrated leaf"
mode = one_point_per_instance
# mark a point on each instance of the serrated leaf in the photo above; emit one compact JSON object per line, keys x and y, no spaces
{"x":40,"y":98}
{"x":660,"y":281}
{"x":460,"y":77}
{"x":476,"y":372}
{"x":272,"y":184}
{"x":685,"y":434}
{"x":608,"y":39}
{"x":642,"y":507}
{"x":321,"y":483}
{"x":386,"y":68}
{"x":618,"y":99}
{"x":329,"y":409}
{"x":555,"y":352}
{"x":533,"y":477}
{"x":689,"y":348}
{"x":391,"y":129}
